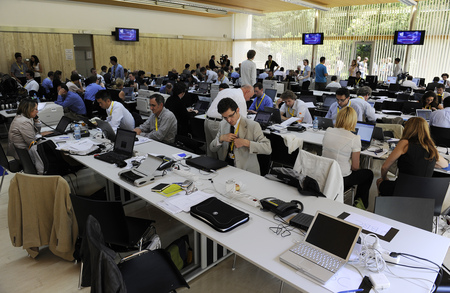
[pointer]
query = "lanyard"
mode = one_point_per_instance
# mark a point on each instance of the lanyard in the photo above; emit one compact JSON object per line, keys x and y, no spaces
{"x":235,"y":132}
{"x":257,"y":106}
{"x":156,"y":123}
{"x":292,"y":113}
{"x":20,"y":68}
{"x":349,"y":103}
{"x":114,"y":71}
{"x":110,"y":111}
{"x":270,"y":64}
{"x":361,"y":98}
{"x":357,"y":82}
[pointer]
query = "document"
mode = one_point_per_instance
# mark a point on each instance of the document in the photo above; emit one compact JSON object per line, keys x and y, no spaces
{"x":368,"y":224}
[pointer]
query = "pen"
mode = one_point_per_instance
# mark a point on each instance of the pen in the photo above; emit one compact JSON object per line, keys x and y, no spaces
{"x":350,"y":291}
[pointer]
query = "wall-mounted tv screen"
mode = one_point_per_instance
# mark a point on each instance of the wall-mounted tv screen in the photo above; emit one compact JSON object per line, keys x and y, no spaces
{"x":312,"y":39}
{"x":409,"y":37}
{"x":127,"y":34}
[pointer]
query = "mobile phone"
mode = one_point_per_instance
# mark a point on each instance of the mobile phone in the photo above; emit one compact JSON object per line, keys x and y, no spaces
{"x":160,"y":187}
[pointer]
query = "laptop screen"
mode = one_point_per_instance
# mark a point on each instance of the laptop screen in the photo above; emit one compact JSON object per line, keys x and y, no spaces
{"x":62,"y":125}
{"x":326,"y":230}
{"x":328,"y":101}
{"x":391,"y":79}
{"x":201,"y":106}
{"x":416,"y":81}
{"x":276,"y":117}
{"x":424,"y":113}
{"x":365,"y":131}
{"x":343,"y":83}
{"x":124,"y":141}
{"x":271,"y":93}
{"x":263,"y":117}
{"x":203,"y":86}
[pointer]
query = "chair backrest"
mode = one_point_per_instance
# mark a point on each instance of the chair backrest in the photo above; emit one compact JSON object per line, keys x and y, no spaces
{"x":424,"y":187}
{"x":3,"y":159}
{"x":440,"y":135}
{"x":109,"y":214}
{"x":414,"y":211}
{"x":25,"y":160}
{"x":396,"y":129}
{"x":280,"y":153}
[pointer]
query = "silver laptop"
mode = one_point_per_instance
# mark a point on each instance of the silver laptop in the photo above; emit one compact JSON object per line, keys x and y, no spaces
{"x":424,"y":113}
{"x":325,"y":249}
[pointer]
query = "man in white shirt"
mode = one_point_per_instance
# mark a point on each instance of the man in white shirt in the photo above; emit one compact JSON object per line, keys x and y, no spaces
{"x":31,"y":84}
{"x":118,"y":115}
{"x":333,"y":84}
{"x":213,"y":117}
{"x":264,"y":74}
{"x":293,"y":107}
{"x":397,"y":67}
{"x":75,"y":85}
{"x":441,"y":118}
{"x":248,"y":69}
{"x":280,"y":72}
{"x":212,"y":76}
{"x":409,"y":83}
{"x":364,"y":94}
{"x":99,"y":77}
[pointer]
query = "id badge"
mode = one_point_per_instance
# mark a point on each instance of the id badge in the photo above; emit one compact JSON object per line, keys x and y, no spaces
{"x":231,"y":155}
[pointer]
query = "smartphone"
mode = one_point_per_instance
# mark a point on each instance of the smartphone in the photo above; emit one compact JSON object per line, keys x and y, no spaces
{"x":160,"y":187}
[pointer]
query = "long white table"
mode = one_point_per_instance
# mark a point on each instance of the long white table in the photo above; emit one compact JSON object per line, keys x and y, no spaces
{"x":256,"y":243}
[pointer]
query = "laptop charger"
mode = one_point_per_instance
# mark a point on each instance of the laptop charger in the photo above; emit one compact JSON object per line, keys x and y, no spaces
{"x":379,"y":281}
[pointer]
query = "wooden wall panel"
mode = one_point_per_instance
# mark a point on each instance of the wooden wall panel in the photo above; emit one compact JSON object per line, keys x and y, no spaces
{"x":50,"y":48}
{"x":158,"y":55}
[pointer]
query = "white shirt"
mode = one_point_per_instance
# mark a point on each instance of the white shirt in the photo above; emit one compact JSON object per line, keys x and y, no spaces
{"x":72,"y":86}
{"x":102,"y":80}
{"x":32,"y":85}
{"x":224,"y":80}
{"x":263,"y":75}
{"x":236,"y":94}
{"x":248,"y":72}
{"x":279,"y":72}
{"x":440,"y":118}
{"x":339,"y":144}
{"x":409,"y":83}
{"x":333,"y":84}
{"x":397,"y":69}
{"x":298,"y":110}
{"x":368,"y":110}
{"x":212,"y":75}
{"x":119,"y":116}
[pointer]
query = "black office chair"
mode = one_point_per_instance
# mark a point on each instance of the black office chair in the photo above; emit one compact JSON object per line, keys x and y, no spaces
{"x":296,"y":88}
{"x":137,"y":119}
{"x":424,"y":187}
{"x":280,"y":153}
{"x":414,"y":211}
{"x":10,"y":165}
{"x":25,"y":161}
{"x":410,"y":108}
{"x":145,"y":271}
{"x":440,"y":135}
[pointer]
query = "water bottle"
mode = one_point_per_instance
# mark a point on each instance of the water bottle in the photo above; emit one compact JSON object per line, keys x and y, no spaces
{"x":315,"y":124}
{"x":36,"y":97}
{"x":77,"y":132}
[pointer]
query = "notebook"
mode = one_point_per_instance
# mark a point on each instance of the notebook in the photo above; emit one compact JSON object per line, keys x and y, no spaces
{"x":324,"y":123}
{"x":272,"y":93}
{"x":60,"y":128}
{"x":123,"y":147}
{"x":327,"y":102}
{"x":106,"y":129}
{"x":206,"y":163}
{"x":365,"y":131}
{"x":424,"y":113}
{"x":325,"y":249}
{"x":128,"y":93}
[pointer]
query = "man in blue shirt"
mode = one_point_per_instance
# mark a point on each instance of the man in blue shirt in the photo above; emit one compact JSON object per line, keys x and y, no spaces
{"x":47,"y":83}
{"x":71,"y":102}
{"x":89,"y":94}
{"x":116,"y":69}
{"x":321,"y":75}
{"x":342,"y":101}
{"x":261,"y":101}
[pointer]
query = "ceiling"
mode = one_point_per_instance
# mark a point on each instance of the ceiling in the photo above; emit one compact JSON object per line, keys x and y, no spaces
{"x":236,"y":6}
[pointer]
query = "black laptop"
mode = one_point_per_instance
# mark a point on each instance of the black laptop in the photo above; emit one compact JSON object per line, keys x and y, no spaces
{"x":324,"y":123}
{"x":123,"y":147}
{"x":201,"y":106}
{"x":365,"y":131}
{"x":327,"y":102}
{"x":60,"y":128}
{"x":206,"y":163}
{"x":276,"y":116}
{"x":263,"y":118}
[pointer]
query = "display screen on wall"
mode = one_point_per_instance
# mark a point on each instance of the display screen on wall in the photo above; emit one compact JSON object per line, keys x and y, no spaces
{"x":409,"y":37}
{"x":127,"y":34}
{"x":312,"y":39}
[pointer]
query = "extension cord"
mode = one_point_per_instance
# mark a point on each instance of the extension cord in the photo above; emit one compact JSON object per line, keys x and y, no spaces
{"x":386,"y":256}
{"x":250,"y":200}
{"x":186,"y":174}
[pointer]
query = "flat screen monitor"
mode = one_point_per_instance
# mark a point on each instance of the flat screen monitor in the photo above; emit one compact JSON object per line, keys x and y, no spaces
{"x":371,"y":79}
{"x":343,"y":83}
{"x":127,"y":34}
{"x":424,"y":113}
{"x":312,"y":39}
{"x":416,"y":81}
{"x":272,"y":93}
{"x":391,"y":79}
{"x":365,"y":131}
{"x":409,"y":37}
{"x":441,"y":81}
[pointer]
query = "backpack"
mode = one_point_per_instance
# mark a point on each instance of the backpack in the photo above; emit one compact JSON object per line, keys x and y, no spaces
{"x":180,"y":252}
{"x":54,"y":163}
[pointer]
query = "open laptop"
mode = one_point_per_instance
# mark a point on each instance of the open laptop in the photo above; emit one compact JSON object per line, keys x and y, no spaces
{"x":325,"y":249}
{"x":327,"y":102}
{"x":123,"y":147}
{"x":272,"y":93}
{"x":276,"y":116}
{"x":201,"y":106}
{"x":206,"y":163}
{"x":128,"y":93}
{"x":351,"y":81}
{"x":263,"y":118}
{"x":378,"y":134}
{"x":343,"y":83}
{"x":391,"y":79}
{"x":324,"y":123}
{"x":424,"y":113}
{"x":365,"y":131}
{"x":60,"y":128}
{"x":107,"y":130}
{"x":202,"y":88}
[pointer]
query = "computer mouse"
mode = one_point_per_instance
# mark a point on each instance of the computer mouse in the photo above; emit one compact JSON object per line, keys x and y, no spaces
{"x":121,"y":164}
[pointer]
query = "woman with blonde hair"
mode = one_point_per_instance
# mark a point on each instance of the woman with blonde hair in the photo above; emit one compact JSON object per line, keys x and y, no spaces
{"x":353,"y":69}
{"x":415,"y":154}
{"x":340,"y":144}
{"x":119,"y":84}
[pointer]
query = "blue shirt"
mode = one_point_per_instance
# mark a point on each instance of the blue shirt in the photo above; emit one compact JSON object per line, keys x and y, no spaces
{"x":91,"y":90}
{"x":334,"y":110}
{"x":235,"y":74}
{"x":73,"y":102}
{"x":257,"y":105}
{"x":117,"y":71}
{"x":47,"y":84}
{"x":320,"y":73}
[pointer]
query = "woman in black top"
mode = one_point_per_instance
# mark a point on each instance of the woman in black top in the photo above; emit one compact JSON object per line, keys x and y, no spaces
{"x":178,"y":108}
{"x":415,"y":154}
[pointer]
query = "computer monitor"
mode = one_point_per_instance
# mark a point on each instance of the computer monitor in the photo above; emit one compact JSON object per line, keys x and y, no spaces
{"x":403,"y":97}
{"x":276,"y":116}
{"x":416,"y":81}
{"x":441,"y":81}
{"x":159,"y":81}
{"x":391,"y":79}
{"x":328,"y":101}
{"x":372,"y":79}
{"x":351,"y":81}
{"x":203,"y":86}
{"x":365,"y":131}
{"x":272,"y":93}
{"x":343,"y":83}
{"x":143,"y":105}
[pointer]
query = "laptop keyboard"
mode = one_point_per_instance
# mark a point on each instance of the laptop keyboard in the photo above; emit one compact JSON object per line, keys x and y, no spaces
{"x":112,"y":157}
{"x":324,"y":260}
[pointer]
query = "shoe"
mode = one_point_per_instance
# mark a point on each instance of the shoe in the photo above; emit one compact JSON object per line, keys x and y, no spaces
{"x":359,"y":204}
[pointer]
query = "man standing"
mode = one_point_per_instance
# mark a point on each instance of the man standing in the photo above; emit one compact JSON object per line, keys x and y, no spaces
{"x":18,"y":69}
{"x":161,"y":125}
{"x":213,"y":118}
{"x":321,"y":75}
{"x":397,"y":68}
{"x":71,"y":102}
{"x":261,"y":101}
{"x":342,"y":101}
{"x":116,"y":69}
{"x":212,"y":62}
{"x":31,"y":84}
{"x":239,"y":140}
{"x":118,"y":115}
{"x":271,"y":64}
{"x":248,"y":69}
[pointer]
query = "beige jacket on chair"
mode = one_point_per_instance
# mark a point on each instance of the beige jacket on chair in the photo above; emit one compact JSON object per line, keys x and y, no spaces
{"x":40,"y":213}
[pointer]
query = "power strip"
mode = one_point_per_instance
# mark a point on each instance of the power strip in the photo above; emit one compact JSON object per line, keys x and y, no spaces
{"x":250,"y":200}
{"x":385,"y":255}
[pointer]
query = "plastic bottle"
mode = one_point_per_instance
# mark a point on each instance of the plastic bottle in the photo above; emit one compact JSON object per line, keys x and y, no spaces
{"x":36,"y":98}
{"x":315,"y":124}
{"x":77,"y":132}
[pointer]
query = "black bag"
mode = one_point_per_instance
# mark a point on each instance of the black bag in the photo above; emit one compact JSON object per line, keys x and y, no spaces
{"x":54,"y":163}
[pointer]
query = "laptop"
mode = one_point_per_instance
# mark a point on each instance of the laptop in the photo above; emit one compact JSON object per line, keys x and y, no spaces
{"x":60,"y":128}
{"x":378,"y":134}
{"x":416,"y":81}
{"x":123,"y":147}
{"x":394,"y":87}
{"x":324,"y":123}
{"x":351,"y":81}
{"x":325,"y":249}
{"x":424,"y":113}
{"x":391,"y":79}
{"x":143,"y":174}
{"x":404,"y":97}
{"x":327,"y":102}
{"x":201,"y":106}
{"x":107,"y":130}
{"x":343,"y":83}
{"x":365,"y":131}
{"x":206,"y":163}
{"x":202,"y":88}
{"x":272,"y":93}
{"x":128,"y":93}
{"x":276,"y":116}
{"x":263,"y":118}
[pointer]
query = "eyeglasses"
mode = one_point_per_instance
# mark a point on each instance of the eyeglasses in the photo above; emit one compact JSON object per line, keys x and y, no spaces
{"x":230,"y":116}
{"x":341,"y":100}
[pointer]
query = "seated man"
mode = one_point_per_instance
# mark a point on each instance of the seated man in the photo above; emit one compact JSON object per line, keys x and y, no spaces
{"x":223,"y":86}
{"x":212,"y":76}
{"x":441,"y":93}
{"x":261,"y":101}
{"x":161,"y":125}
{"x":359,"y":81}
{"x":271,"y":76}
{"x":333,"y":84}
{"x":99,"y":76}
{"x":75,"y":85}
{"x":91,"y":91}
{"x":264,"y":74}
{"x":293,"y":107}
{"x":166,"y":89}
{"x":31,"y":84}
{"x":132,"y":82}
{"x":47,"y":83}
{"x":409,"y":83}
{"x":235,"y":73}
{"x":441,"y":118}
{"x":343,"y":100}
{"x":71,"y":102}
{"x":364,"y":94}
{"x":221,"y":78}
{"x":239,"y":140}
{"x":118,"y":115}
